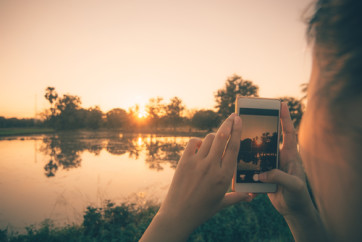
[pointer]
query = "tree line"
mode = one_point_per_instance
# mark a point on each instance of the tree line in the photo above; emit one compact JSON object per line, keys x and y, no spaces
{"x":65,"y":112}
{"x":17,"y":123}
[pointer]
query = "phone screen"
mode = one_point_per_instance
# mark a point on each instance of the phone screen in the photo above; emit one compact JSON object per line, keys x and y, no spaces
{"x":258,"y":143}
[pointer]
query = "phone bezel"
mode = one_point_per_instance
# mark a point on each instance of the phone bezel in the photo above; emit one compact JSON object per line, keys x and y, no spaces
{"x":262,"y":103}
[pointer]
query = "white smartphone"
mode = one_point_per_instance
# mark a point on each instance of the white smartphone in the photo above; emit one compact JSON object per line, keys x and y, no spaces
{"x":259,"y":143}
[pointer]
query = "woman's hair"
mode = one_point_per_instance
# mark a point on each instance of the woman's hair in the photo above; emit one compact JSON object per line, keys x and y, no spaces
{"x":336,"y":29}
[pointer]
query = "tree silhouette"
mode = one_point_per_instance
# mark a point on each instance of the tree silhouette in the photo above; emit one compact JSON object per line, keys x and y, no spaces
{"x":155,"y":110}
{"x":70,"y":116}
{"x":51,"y":95}
{"x":65,"y":111}
{"x":117,"y":118}
{"x":304,"y":90}
{"x":205,"y":120}
{"x":173,"y":112}
{"x":94,"y":118}
{"x":225,"y":97}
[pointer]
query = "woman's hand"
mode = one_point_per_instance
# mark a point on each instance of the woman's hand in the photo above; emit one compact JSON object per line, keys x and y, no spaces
{"x":292,"y":198}
{"x":292,"y":195}
{"x":199,"y":186}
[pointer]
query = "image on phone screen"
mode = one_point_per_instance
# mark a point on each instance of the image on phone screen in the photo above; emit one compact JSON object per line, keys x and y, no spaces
{"x":258,"y":143}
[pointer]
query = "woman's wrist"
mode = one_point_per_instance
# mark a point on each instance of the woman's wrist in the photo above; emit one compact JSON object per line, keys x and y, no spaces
{"x":167,"y":227}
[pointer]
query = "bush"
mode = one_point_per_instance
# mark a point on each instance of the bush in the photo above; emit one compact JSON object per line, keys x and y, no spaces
{"x":255,"y":221}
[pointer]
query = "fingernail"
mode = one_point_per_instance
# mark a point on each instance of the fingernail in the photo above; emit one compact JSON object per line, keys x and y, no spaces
{"x":262,"y":176}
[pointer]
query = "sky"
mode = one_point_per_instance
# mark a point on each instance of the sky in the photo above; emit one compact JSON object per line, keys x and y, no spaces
{"x":118,"y":53}
{"x":256,"y":125}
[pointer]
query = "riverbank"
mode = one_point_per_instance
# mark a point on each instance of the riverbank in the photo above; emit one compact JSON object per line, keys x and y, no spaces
{"x":24,"y":131}
{"x":4,"y":132}
{"x":254,"y":221}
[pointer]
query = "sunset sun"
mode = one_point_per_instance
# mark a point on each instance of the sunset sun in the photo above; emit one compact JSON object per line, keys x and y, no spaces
{"x":142,"y":114}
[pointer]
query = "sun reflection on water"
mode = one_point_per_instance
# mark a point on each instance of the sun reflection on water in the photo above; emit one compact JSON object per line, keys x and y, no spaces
{"x":139,"y":141}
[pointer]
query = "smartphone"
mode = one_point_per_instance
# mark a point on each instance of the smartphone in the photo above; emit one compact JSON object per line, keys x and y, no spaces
{"x":259,"y":143}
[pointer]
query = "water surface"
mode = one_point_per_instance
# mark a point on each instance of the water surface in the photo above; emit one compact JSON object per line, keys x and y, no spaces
{"x":58,"y":176}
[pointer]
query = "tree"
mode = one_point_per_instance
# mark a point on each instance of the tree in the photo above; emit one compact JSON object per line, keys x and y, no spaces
{"x":205,"y":120}
{"x":68,"y":102}
{"x":173,"y":112}
{"x":51,"y":95}
{"x":117,"y":118}
{"x":304,"y":87}
{"x":296,"y":109}
{"x":155,"y":110}
{"x":71,"y":115}
{"x":94,"y":118}
{"x":225,"y":97}
{"x":65,"y":112}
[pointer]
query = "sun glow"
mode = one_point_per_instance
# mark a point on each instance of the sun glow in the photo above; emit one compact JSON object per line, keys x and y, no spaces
{"x":258,"y":142}
{"x":142,"y":114}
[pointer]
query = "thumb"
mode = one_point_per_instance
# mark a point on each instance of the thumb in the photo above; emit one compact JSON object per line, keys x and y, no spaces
{"x":235,"y":197}
{"x":289,"y":182}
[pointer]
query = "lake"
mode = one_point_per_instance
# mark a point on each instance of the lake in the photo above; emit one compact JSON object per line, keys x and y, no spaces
{"x":58,"y":176}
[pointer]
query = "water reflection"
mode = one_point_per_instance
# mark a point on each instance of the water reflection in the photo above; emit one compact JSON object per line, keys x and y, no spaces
{"x":159,"y":152}
{"x":65,"y":149}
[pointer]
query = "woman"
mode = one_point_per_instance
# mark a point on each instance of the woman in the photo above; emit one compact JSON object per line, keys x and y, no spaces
{"x":330,"y":147}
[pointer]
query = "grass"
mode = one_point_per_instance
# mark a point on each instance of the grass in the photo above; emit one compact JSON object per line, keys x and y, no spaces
{"x":255,"y":221}
{"x":24,"y":131}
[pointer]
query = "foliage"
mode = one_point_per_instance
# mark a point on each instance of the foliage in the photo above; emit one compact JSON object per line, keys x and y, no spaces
{"x":304,"y":87}
{"x":18,"y":123}
{"x":205,"y":120}
{"x":24,"y":131}
{"x":94,"y":118}
{"x":173,"y":112}
{"x":66,"y":112}
{"x":51,"y":95}
{"x":155,"y":110}
{"x":225,"y":97}
{"x":117,"y":118}
{"x":255,"y":221}
{"x":296,"y":109}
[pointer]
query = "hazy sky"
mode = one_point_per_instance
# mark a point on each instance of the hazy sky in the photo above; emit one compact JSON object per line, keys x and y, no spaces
{"x":256,"y":125}
{"x":119,"y":53}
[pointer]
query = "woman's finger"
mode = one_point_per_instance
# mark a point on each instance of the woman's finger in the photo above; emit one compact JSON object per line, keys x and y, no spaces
{"x":231,"y":153}
{"x":289,"y":135}
{"x":206,"y":144}
{"x":192,"y":146}
{"x":253,"y":195}
{"x":289,"y":182}
{"x":221,"y":139}
{"x":235,"y":197}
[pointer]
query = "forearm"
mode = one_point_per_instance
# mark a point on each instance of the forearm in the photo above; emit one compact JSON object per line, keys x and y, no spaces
{"x":166,"y":228}
{"x":306,"y":226}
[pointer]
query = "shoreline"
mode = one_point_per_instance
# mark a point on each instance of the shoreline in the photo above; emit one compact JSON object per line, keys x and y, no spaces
{"x":13,"y":132}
